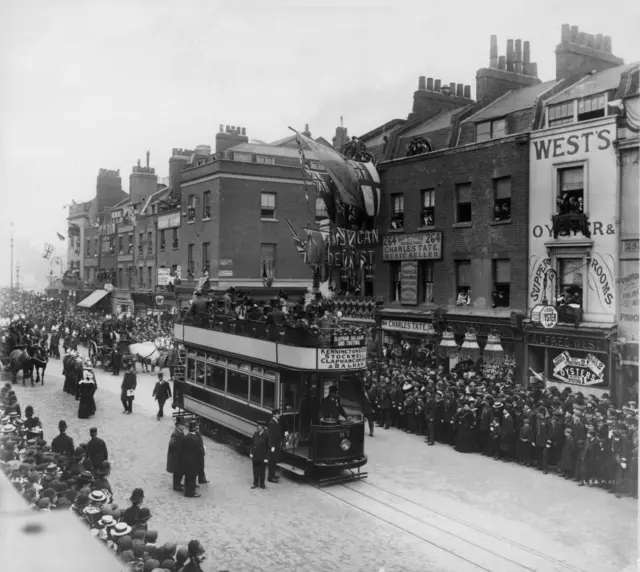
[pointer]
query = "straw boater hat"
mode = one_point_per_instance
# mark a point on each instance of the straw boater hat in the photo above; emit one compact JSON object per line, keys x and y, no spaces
{"x":120,"y":529}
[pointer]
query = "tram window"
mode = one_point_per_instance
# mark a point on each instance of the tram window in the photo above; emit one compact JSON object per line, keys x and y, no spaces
{"x":191,"y":353}
{"x":289,"y":397}
{"x":200,"y":372}
{"x":256,"y":369}
{"x":244,"y":366}
{"x":211,"y":358}
{"x":270,"y":374}
{"x":208,"y":370}
{"x":238,"y":384}
{"x":269,"y":394}
{"x":216,"y":378}
{"x":255,"y":395}
{"x":191,"y":369}
{"x":232,"y":363}
{"x":220,"y":360}
{"x":202,"y":355}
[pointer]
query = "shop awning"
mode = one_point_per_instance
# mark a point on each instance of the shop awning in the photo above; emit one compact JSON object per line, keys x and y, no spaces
{"x":630,"y":354}
{"x":92,"y":299}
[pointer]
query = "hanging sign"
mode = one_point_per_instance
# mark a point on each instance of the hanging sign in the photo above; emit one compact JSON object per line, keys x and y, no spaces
{"x":171,"y":220}
{"x":580,"y":371}
{"x":409,"y":282}
{"x":346,"y":358}
{"x":418,"y":246}
{"x":545,"y":316}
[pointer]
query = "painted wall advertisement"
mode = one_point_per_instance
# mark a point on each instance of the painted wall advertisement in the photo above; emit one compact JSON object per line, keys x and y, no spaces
{"x":586,"y":252}
{"x":409,"y":282}
{"x":171,"y":220}
{"x":347,"y":358}
{"x":579,"y":369}
{"x":418,"y":246}
{"x":628,"y":292}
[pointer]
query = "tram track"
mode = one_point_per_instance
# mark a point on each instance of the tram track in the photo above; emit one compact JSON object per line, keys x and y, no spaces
{"x":478,"y":548}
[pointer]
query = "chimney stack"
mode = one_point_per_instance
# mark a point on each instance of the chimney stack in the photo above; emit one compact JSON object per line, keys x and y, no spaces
{"x":518,"y":57}
{"x":502,"y":64}
{"x":591,"y":41}
{"x":566,"y":34}
{"x":422,"y":83}
{"x":244,"y":131}
{"x":510,"y":55}
{"x":606,"y":46}
{"x":436,"y":87}
{"x":526,"y":53}
{"x":582,"y":38}
{"x":429,"y":84}
{"x":574,"y":34}
{"x":460,"y":90}
{"x":599,"y":42}
{"x":467,"y":92}
{"x":493,"y":52}
{"x":452,"y":88}
{"x":221,"y":128}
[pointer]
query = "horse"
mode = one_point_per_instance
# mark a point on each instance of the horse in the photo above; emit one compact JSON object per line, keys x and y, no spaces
{"x":20,"y":359}
{"x":40,"y":361}
{"x":146,"y":354}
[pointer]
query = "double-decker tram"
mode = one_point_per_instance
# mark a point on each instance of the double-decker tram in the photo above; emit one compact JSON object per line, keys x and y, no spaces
{"x":233,"y":373}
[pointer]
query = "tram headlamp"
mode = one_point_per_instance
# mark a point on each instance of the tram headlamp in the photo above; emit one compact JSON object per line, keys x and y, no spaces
{"x":345,"y":444}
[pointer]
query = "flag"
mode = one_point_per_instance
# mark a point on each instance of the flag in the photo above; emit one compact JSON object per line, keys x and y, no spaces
{"x":203,"y":285}
{"x":357,"y":183}
{"x":60,"y":236}
{"x":316,"y":247}
{"x":300,"y":245}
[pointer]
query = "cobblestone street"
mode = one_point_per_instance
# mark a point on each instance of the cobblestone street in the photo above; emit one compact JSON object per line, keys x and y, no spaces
{"x":422,"y":509}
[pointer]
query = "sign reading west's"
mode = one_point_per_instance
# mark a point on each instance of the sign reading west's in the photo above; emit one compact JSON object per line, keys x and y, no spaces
{"x":568,"y":145}
{"x":418,"y":246}
{"x":351,"y":358}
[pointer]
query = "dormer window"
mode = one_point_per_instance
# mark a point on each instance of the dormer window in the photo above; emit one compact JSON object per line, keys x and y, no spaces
{"x":246,"y":157}
{"x":260,"y":159}
{"x":488,"y":130}
{"x":560,"y":114}
{"x":592,"y":107}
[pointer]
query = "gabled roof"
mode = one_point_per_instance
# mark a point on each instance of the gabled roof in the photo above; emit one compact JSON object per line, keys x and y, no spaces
{"x":159,"y":194}
{"x":513,"y":101}
{"x":121,"y":203}
{"x":593,"y":84}
{"x":440,"y":121}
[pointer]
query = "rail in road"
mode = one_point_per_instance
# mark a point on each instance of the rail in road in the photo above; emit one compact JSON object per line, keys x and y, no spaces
{"x":475,"y":548}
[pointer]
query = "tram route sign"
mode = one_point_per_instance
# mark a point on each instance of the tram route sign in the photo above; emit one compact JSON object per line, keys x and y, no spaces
{"x":342,"y":358}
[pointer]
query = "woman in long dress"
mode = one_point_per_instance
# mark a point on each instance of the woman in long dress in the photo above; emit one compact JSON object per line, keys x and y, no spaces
{"x":87,"y":387}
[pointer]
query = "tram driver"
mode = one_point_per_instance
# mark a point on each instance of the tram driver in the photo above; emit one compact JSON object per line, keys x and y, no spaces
{"x":330,"y":408}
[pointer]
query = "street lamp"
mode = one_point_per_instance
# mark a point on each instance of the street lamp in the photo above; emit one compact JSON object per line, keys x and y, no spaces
{"x":493,"y":352}
{"x":470,"y":350}
{"x":448,"y":347}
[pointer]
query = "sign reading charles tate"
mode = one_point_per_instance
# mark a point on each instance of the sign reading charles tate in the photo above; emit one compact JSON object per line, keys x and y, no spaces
{"x":417,"y":246}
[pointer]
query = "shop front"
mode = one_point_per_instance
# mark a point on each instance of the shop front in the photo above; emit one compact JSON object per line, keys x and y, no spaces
{"x":408,"y":338}
{"x":122,"y":302}
{"x":581,"y":360}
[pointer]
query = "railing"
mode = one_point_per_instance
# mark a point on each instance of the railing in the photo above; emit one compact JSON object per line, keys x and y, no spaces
{"x":564,"y":224}
{"x":335,"y":336}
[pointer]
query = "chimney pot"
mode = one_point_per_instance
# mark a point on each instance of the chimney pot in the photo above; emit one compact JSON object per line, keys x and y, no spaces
{"x":533,"y":69}
{"x":460,"y":90}
{"x":244,"y":130}
{"x":421,"y":83}
{"x":452,"y":88}
{"x":502,"y":65}
{"x":565,"y":36}
{"x":221,"y":128}
{"x":526,"y":53}
{"x":574,"y":34}
{"x":518,"y":56}
{"x":599,"y":41}
{"x":228,"y":129}
{"x":606,"y":46}
{"x":510,"y":55}
{"x":436,"y":87}
{"x":493,"y":52}
{"x":429,"y":84}
{"x":582,"y":38}
{"x":467,"y":92}
{"x":591,"y":41}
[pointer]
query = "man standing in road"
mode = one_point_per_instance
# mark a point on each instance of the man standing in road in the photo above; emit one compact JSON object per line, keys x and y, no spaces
{"x":275,"y":441}
{"x":128,"y":389}
{"x":174,"y":455}
{"x":161,"y":392}
{"x":259,"y":455}
{"x":116,"y":360}
{"x":96,"y":449}
{"x":191,"y":459}
{"x":63,"y":444}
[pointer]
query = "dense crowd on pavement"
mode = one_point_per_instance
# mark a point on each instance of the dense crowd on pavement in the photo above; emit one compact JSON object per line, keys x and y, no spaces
{"x":480,"y":408}
{"x":59,"y":476}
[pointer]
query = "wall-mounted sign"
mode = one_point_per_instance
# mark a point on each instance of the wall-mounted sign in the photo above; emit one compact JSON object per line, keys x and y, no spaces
{"x":405,"y":326}
{"x":226,"y":262}
{"x":351,"y":238}
{"x":565,"y":146}
{"x":545,"y":316}
{"x":344,"y":358}
{"x":409,"y":282}
{"x":171,"y":220}
{"x":629,"y":292}
{"x":569,"y":342}
{"x":225,"y":273}
{"x":418,"y":246}
{"x":632,"y":245}
{"x":163,"y":276}
{"x":587,"y":370}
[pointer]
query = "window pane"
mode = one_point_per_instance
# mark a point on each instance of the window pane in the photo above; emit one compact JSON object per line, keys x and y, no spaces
{"x":256,"y":391}
{"x":237,"y":384}
{"x":570,"y":271}
{"x":270,"y":374}
{"x":428,"y":198}
{"x":216,"y":377}
{"x":502,"y":187}
{"x":191,"y":369}
{"x":464,"y":193}
{"x":502,"y":271}
{"x":200,"y":372}
{"x":463,"y":272}
{"x":499,"y":128}
{"x":269,"y":394}
{"x":571,"y":179}
{"x":321,"y":209}
{"x":268,"y":200}
{"x":483,"y":131}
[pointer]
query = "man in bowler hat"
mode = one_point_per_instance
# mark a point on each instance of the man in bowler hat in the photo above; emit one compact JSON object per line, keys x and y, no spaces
{"x":191,"y":460}
{"x":128,"y":388}
{"x":259,"y":455}
{"x":174,"y":455}
{"x":161,"y":392}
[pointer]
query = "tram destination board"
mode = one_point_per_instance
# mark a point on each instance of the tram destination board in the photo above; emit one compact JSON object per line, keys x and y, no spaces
{"x":342,"y":358}
{"x":348,"y":340}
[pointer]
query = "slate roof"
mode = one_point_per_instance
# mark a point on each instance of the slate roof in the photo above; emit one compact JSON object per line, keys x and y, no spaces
{"x":593,"y":84}
{"x":512,"y":101}
{"x":441,"y":121}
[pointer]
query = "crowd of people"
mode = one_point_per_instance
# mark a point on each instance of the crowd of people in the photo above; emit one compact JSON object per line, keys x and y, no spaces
{"x":59,"y":476}
{"x":580,"y":437}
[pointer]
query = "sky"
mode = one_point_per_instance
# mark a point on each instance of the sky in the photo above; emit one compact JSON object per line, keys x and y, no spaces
{"x":95,"y":84}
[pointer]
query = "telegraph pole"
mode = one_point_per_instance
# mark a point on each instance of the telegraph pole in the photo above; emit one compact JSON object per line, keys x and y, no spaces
{"x":18,"y":276}
{"x":11,"y":235}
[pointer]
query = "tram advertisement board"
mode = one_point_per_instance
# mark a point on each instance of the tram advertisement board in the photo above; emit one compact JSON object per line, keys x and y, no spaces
{"x":342,"y":358}
{"x":418,"y":246}
{"x":349,"y":340}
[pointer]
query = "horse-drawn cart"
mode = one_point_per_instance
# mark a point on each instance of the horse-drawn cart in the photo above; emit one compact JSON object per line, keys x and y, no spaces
{"x":103,"y":355}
